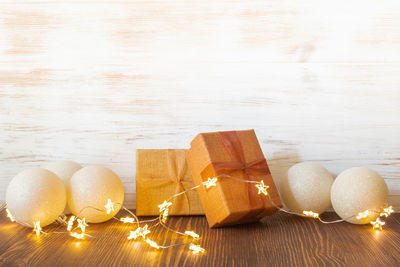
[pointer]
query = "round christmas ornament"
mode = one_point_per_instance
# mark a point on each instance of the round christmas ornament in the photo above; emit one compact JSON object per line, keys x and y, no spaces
{"x":64,"y":169}
{"x":36,"y":195}
{"x":307,"y":187}
{"x":356,"y":190}
{"x":95,"y":193}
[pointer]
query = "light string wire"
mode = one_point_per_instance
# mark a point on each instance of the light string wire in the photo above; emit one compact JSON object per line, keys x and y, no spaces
{"x":143,"y":231}
{"x":164,"y":213}
{"x":384,"y":212}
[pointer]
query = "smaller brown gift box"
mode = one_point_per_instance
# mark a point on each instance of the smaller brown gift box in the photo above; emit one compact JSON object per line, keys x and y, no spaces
{"x":231,"y":154}
{"x":161,"y":173}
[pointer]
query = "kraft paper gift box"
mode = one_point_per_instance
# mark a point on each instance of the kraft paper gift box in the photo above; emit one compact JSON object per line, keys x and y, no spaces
{"x":161,"y":173}
{"x":225,"y":155}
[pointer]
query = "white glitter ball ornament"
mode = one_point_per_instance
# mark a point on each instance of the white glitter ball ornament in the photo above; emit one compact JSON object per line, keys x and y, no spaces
{"x":64,"y":169}
{"x":307,"y":186}
{"x":356,"y":190}
{"x":36,"y":195}
{"x":89,"y":190}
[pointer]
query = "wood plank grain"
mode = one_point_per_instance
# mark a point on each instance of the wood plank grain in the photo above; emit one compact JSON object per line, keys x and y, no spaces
{"x":279,"y":240}
{"x":92,"y":81}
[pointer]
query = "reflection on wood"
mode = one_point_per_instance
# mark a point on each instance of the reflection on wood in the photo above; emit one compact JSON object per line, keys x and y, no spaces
{"x":280,"y":240}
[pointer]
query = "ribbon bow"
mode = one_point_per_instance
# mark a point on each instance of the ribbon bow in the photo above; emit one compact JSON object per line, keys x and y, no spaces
{"x":234,"y":148}
{"x":177,"y":171}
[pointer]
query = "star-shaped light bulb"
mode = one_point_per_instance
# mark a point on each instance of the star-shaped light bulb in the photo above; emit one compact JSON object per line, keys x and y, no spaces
{"x":37,"y":228}
{"x":309,"y":213}
{"x":165,"y":205}
{"x":196,"y":249}
{"x":140,"y":231}
{"x":9,"y":215}
{"x":70,"y":223}
{"x":152,"y":243}
{"x":210,"y":182}
{"x":109,"y":206}
{"x":364,"y":214}
{"x":164,"y":216}
{"x":132,"y":235}
{"x":127,"y":220}
{"x":262,"y":188}
{"x":192,"y":234}
{"x":377,"y":224}
{"x":82,"y":224}
{"x":387,"y":211}
{"x":76,"y":235}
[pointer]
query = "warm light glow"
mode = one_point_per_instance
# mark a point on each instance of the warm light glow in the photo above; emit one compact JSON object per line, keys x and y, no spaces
{"x":127,"y":220}
{"x":164,"y":212}
{"x":165,"y":205}
{"x":140,"y":231}
{"x":164,"y":209}
{"x":152,"y":243}
{"x":82,"y":224}
{"x":192,"y":234}
{"x":363,"y":214}
{"x":9,"y":215}
{"x":37,"y":228}
{"x":262,"y":188}
{"x":210,"y":182}
{"x":196,"y":249}
{"x":77,"y":236}
{"x":133,"y":235}
{"x":109,"y":206}
{"x":387,"y":211}
{"x":70,"y":223}
{"x":377,"y":224}
{"x":310,"y":213}
{"x":164,"y":216}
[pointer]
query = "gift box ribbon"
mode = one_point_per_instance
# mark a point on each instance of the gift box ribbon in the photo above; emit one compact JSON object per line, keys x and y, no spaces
{"x":177,"y":171}
{"x":234,"y":147}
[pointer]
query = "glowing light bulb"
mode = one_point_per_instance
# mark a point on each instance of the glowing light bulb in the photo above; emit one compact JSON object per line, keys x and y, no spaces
{"x":132,"y":235}
{"x":262,"y":188}
{"x":37,"y":228}
{"x":377,"y":224}
{"x":9,"y":215}
{"x":164,"y":216}
{"x":165,"y":205}
{"x":152,"y":243}
{"x":196,"y":249}
{"x":70,"y":223}
{"x":210,"y":182}
{"x":140,"y":231}
{"x":309,"y":213}
{"x":363,"y":214}
{"x":192,"y":234}
{"x":82,"y":224}
{"x":76,"y":235}
{"x":109,"y":206}
{"x":127,"y":220}
{"x":387,"y":211}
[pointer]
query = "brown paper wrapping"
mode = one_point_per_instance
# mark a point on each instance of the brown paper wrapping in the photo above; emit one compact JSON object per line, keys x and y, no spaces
{"x":161,"y":173}
{"x":237,"y":154}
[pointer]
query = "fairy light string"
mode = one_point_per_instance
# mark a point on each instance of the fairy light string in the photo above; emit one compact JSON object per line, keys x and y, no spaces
{"x":10,"y":216}
{"x":142,"y":232}
{"x":70,"y":223}
{"x":36,"y":228}
{"x":77,"y":222}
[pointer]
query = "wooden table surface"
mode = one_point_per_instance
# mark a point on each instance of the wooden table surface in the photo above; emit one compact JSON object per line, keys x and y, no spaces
{"x":279,"y":240}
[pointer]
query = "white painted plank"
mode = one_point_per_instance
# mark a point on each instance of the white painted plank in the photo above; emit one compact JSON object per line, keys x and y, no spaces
{"x":92,"y":81}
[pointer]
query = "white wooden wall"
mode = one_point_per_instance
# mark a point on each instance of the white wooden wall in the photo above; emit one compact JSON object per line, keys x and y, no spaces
{"x":91,"y":81}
